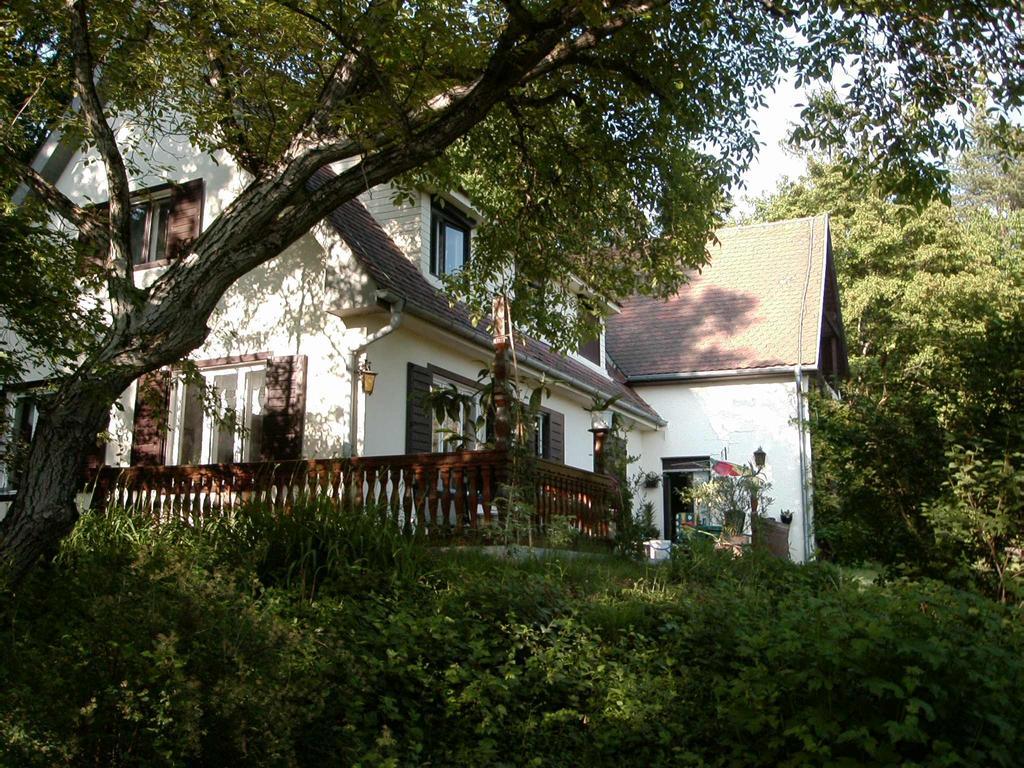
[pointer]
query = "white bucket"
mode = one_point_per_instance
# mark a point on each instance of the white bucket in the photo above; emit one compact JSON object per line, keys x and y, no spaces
{"x":657,"y":549}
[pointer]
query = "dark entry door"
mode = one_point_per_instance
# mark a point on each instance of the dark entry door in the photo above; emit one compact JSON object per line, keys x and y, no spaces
{"x":678,"y":512}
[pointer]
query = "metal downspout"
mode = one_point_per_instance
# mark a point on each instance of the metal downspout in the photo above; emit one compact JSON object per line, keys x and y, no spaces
{"x":397,"y":307}
{"x":798,"y":374}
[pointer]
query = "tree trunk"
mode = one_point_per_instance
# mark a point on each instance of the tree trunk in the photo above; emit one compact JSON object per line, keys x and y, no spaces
{"x":44,"y":509}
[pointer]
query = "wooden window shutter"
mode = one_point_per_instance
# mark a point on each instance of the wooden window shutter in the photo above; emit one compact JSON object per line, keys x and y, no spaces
{"x":556,"y":437}
{"x":284,"y":409}
{"x":186,"y":217}
{"x":149,"y":431}
{"x":418,"y":419}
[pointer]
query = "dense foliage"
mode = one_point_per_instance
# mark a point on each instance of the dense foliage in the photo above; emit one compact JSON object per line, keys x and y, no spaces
{"x":154,"y":647}
{"x":925,"y":444}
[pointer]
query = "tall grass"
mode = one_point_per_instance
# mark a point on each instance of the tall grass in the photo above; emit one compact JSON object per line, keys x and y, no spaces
{"x":298,"y":549}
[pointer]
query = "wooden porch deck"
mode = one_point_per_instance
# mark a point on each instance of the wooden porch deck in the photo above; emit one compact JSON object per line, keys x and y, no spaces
{"x":441,"y":494}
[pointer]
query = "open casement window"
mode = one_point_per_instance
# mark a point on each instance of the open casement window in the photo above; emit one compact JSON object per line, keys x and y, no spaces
{"x":219,"y":420}
{"x":239,"y":411}
{"x":458,"y":430}
{"x":450,"y":236}
{"x":549,"y":436}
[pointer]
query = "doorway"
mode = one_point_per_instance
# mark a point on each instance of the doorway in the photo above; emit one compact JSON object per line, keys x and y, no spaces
{"x":678,"y":476}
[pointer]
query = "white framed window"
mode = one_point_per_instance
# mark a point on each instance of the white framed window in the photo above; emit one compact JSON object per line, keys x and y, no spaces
{"x":450,"y":239}
{"x":461,"y":433}
{"x":542,"y":435}
{"x":220,"y":421}
{"x":148,"y":220}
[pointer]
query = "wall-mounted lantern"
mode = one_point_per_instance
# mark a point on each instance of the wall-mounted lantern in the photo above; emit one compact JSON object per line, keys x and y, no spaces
{"x":368,"y":377}
{"x":600,"y":425}
{"x":759,"y":457}
{"x":601,"y":421}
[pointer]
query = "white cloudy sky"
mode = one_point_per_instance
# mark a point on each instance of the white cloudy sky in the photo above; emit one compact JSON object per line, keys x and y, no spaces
{"x":773,"y":161}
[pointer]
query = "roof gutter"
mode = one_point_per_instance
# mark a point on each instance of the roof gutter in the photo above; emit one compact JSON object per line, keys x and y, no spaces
{"x":476,"y":337}
{"x":732,"y":373}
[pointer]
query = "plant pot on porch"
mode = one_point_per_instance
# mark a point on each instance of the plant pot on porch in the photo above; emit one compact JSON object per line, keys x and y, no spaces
{"x":772,"y":536}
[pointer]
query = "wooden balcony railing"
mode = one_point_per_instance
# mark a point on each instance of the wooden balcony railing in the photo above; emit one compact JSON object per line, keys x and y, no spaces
{"x":589,"y":499}
{"x":435,"y":493}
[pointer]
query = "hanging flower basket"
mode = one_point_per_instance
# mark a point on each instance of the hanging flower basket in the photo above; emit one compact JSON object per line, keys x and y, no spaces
{"x":652,"y":480}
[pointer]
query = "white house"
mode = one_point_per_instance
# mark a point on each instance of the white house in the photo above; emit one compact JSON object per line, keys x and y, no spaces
{"x":716,"y":372}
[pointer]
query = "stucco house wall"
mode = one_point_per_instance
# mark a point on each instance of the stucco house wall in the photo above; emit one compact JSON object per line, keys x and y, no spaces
{"x":730,"y":420}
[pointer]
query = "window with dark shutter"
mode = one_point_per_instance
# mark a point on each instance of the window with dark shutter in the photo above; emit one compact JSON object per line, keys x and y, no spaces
{"x":163,"y":223}
{"x":149,"y":430}
{"x":418,"y":418}
{"x":556,"y":437}
{"x":185,"y":219}
{"x":284,"y":410}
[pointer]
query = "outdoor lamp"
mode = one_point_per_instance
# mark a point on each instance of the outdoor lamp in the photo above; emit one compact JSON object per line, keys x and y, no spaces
{"x":368,"y":377}
{"x":759,"y":457}
{"x":601,"y":421}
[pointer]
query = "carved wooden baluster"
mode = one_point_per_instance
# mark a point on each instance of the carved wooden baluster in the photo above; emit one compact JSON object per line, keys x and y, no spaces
{"x":422,"y":493}
{"x":357,"y":484}
{"x":371,"y":481}
{"x":445,"y":506}
{"x":458,"y":487}
{"x":432,"y":498}
{"x":473,"y":498}
{"x":487,"y":492}
{"x":395,"y":501}
{"x":407,"y":499}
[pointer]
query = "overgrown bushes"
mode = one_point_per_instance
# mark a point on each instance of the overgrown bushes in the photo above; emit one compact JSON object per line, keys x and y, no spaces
{"x":317,"y":639}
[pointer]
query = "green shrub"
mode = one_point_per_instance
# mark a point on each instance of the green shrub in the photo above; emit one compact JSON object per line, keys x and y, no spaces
{"x":175,"y":646}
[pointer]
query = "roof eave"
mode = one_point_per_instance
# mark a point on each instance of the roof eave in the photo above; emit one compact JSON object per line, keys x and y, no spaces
{"x":479,"y":339}
{"x":730,"y":373}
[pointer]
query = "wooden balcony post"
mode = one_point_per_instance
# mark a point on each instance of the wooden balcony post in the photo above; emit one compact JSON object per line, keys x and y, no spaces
{"x":502,"y":339}
{"x":599,"y":458}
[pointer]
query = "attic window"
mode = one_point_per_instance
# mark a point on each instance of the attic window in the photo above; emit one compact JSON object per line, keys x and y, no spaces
{"x":449,"y":240}
{"x":590,"y":348}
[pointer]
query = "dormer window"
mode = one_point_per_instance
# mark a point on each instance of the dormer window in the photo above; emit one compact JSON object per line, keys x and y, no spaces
{"x":590,"y":348}
{"x":449,"y":240}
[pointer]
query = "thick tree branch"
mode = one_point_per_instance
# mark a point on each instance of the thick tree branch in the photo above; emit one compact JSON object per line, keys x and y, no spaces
{"x":90,"y":224}
{"x":277,"y":209}
{"x":120,"y":286}
{"x":592,"y":37}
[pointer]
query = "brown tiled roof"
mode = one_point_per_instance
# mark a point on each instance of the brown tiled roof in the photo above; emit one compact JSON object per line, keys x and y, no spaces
{"x":742,"y":312}
{"x":392,"y":269}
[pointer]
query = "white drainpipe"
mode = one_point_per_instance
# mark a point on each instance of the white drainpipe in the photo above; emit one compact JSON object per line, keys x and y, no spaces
{"x":798,"y":375}
{"x":397,"y":306}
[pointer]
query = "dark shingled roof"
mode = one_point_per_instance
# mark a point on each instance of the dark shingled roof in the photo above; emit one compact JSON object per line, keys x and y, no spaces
{"x":392,"y":269}
{"x":742,"y":312}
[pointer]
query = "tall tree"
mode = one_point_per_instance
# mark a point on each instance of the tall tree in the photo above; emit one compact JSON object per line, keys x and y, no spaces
{"x":933,"y":304}
{"x":586,"y":130}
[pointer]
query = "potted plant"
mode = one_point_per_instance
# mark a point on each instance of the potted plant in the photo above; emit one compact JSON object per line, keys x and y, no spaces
{"x":652,"y":479}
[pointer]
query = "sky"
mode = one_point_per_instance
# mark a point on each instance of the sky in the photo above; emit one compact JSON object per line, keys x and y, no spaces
{"x":773,"y":161}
